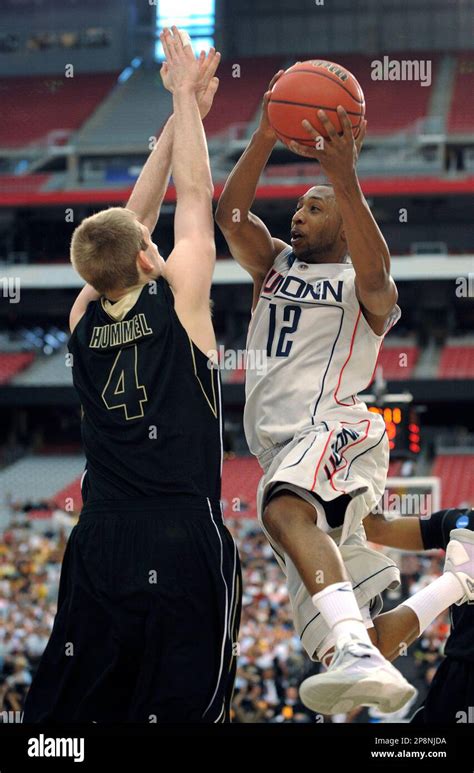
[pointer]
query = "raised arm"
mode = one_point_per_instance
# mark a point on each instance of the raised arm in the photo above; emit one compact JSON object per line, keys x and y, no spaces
{"x":369,"y":253}
{"x":249,"y":240}
{"x":150,"y":188}
{"x":190,"y":266}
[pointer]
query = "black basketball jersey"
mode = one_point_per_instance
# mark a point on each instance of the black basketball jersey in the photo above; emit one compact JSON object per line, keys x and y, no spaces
{"x":151,"y":419}
{"x":460,"y":644}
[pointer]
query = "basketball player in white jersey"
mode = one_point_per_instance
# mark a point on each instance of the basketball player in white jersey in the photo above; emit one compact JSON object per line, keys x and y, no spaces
{"x":321,"y":308}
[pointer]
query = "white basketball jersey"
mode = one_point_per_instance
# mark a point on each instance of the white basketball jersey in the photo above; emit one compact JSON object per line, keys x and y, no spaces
{"x":310,"y":350}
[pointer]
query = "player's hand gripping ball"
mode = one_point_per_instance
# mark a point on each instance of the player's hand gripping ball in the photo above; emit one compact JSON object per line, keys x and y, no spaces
{"x":307,"y":87}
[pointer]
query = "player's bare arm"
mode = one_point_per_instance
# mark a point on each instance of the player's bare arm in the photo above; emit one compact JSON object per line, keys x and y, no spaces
{"x":369,"y":253}
{"x":80,"y":305}
{"x":190,"y":266}
{"x":249,"y":240}
{"x":150,"y":188}
{"x":402,"y":533}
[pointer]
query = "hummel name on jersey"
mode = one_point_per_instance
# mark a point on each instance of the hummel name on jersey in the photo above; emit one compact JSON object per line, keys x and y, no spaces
{"x":120,"y":333}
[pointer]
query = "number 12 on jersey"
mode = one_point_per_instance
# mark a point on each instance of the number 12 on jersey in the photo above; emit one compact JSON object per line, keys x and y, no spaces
{"x":292,"y":315}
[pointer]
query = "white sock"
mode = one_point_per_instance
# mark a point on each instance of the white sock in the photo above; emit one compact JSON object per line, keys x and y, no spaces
{"x":435,"y":598}
{"x":340,"y":611}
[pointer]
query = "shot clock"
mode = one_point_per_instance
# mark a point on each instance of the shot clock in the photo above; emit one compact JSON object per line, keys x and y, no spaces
{"x":403,"y":427}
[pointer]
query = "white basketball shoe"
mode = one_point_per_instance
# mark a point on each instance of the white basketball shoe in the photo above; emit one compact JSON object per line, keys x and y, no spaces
{"x":359,"y":675}
{"x":460,"y":560}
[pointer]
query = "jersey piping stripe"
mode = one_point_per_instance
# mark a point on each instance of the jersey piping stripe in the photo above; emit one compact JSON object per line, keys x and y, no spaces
{"x":351,"y":445}
{"x":295,"y":464}
{"x":320,"y":460}
{"x":220,"y":715}
{"x":232,"y":598}
{"x":365,"y":452}
{"x":347,"y":360}
{"x":329,"y":361}
{"x":233,"y":630}
{"x":219,"y":676}
{"x":220,"y":425}
{"x":233,"y":638}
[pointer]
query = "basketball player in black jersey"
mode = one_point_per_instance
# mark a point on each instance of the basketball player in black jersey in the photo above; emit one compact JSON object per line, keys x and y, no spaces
{"x":149,"y":596}
{"x":450,"y":698}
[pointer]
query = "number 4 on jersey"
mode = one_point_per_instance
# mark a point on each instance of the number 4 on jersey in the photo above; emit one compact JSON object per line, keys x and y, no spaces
{"x":122,"y":389}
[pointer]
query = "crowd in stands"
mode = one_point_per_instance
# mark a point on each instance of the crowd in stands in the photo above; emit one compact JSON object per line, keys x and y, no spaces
{"x":272,"y":661}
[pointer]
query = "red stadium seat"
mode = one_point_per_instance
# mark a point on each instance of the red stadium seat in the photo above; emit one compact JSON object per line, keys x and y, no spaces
{"x":461,"y":116}
{"x":27,"y":183}
{"x":457,"y":478}
{"x":393,"y":359}
{"x":239,"y":97}
{"x":33,"y":107}
{"x":456,"y":362}
{"x":239,"y":486}
{"x":70,"y":494}
{"x":12,"y":363}
{"x":393,"y":109}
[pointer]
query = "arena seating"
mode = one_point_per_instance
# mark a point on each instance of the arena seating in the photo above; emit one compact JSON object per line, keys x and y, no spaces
{"x":46,"y":371}
{"x":393,"y":109}
{"x":60,"y":103}
{"x":456,"y":362}
{"x":12,"y":363}
{"x":457,"y":478}
{"x":27,"y":183}
{"x":461,"y":115}
{"x":54,"y":102}
{"x":239,"y":97}
{"x":38,"y":476}
{"x":392,"y":360}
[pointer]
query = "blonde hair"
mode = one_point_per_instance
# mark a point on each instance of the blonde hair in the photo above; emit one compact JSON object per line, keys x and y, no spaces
{"x":104,"y":249}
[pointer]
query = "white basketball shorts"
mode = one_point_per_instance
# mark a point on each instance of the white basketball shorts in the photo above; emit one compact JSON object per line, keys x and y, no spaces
{"x":330,"y":461}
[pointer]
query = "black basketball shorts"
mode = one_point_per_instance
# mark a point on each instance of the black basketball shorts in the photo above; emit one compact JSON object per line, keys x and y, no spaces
{"x":147,"y":620}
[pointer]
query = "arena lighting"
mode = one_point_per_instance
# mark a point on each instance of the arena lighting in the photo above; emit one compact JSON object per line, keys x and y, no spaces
{"x":128,"y":71}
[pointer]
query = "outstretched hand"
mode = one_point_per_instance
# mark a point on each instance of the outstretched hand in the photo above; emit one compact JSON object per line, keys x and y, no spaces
{"x":183,"y":67}
{"x":337,"y":153}
{"x":207,"y":83}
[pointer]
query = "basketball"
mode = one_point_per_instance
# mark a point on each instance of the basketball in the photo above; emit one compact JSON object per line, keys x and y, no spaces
{"x":307,"y":87}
